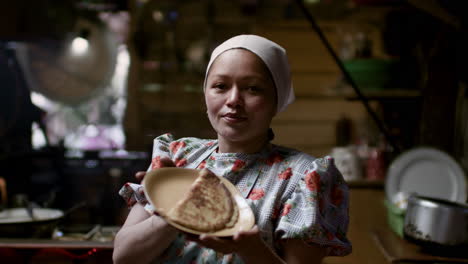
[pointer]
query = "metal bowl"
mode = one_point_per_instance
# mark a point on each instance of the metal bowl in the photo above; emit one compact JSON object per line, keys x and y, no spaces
{"x":436,"y":222}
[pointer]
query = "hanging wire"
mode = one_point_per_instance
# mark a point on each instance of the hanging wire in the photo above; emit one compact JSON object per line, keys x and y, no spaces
{"x":348,"y":77}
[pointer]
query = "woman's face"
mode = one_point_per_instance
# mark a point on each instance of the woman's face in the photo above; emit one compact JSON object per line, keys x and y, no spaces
{"x":240,"y":96}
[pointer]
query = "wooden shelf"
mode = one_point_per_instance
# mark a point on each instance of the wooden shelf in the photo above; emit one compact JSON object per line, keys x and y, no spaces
{"x":390,"y":94}
{"x":373,"y":184}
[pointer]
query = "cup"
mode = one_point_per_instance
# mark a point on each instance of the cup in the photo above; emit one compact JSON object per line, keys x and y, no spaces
{"x":347,"y":162}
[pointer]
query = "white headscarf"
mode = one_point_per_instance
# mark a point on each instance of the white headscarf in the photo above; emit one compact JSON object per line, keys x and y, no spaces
{"x":273,"y":55}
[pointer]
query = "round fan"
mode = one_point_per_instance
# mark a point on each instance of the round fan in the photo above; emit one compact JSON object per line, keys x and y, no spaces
{"x":76,"y":68}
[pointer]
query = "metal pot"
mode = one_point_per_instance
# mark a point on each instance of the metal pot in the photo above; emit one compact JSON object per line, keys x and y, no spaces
{"x":29,"y":222}
{"x":26,"y":222}
{"x":436,"y":222}
{"x":18,"y":223}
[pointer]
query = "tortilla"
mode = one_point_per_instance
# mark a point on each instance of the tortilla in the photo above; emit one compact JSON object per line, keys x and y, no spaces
{"x":207,"y":207}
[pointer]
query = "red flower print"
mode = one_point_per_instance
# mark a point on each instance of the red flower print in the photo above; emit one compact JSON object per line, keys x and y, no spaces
{"x":131,"y":202}
{"x":312,"y":181}
{"x":180,"y":252}
{"x":330,"y":236}
{"x":202,"y":165}
{"x":212,"y":158}
{"x":176,"y":145}
{"x":274,"y":158}
{"x":180,"y":162}
{"x":336,"y":196}
{"x":286,"y":174}
{"x":156,"y":163}
{"x":238,"y":164}
{"x":256,"y":194}
{"x":286,"y":209}
{"x":209,"y":144}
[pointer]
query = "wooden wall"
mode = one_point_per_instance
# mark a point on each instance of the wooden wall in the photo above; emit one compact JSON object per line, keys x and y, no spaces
{"x":321,"y":97}
{"x":308,"y":124}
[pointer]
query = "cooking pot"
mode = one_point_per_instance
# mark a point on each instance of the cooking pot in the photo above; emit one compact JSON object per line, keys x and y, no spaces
{"x":18,"y":223}
{"x":28,"y":222}
{"x":436,"y":223}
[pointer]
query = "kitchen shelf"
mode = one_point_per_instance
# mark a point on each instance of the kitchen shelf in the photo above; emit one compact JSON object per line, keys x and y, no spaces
{"x":390,"y":94}
{"x":378,"y":95}
{"x":371,"y":184}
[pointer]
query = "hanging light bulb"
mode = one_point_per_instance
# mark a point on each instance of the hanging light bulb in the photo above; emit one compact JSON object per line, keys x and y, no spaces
{"x":80,"y":44}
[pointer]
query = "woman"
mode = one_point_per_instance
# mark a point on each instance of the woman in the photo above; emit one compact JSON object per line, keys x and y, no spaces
{"x":300,"y":203}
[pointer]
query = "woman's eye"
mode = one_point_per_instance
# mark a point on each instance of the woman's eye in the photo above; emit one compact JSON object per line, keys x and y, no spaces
{"x":254,"y":89}
{"x":220,"y":86}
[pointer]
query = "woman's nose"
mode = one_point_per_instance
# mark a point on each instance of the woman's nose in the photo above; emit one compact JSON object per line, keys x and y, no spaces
{"x":235,"y":97}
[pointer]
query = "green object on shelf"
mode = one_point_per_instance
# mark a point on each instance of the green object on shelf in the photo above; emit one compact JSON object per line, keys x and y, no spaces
{"x":370,"y":74}
{"x":395,"y":217}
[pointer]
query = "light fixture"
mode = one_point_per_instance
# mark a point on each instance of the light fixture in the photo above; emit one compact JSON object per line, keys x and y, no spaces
{"x":80,"y":44}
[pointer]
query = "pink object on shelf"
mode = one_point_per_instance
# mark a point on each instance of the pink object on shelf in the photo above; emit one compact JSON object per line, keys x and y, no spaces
{"x":376,"y":165}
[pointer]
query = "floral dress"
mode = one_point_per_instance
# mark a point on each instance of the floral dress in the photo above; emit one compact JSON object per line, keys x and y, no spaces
{"x":292,"y":195}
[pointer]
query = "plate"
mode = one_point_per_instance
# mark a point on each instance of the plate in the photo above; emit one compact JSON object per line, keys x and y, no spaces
{"x":427,"y":172}
{"x":164,"y":187}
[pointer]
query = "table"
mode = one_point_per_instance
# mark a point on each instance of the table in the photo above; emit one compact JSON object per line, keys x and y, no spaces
{"x":373,"y":240}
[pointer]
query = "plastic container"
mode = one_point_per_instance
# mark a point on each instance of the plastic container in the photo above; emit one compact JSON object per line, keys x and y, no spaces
{"x":395,"y":217}
{"x":370,"y":74}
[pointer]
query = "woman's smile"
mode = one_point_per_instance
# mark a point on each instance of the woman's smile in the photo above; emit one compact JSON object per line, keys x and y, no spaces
{"x":234,"y":118}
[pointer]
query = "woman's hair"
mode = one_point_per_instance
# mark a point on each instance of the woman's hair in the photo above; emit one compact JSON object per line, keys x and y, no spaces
{"x":274,"y":57}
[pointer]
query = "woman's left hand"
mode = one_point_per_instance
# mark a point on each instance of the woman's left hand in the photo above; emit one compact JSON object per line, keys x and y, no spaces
{"x":242,"y":243}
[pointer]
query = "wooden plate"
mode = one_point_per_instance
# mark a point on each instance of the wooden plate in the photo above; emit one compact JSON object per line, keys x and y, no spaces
{"x":164,"y":187}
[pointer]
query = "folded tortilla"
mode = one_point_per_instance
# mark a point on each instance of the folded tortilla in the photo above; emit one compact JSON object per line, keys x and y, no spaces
{"x":207,"y":207}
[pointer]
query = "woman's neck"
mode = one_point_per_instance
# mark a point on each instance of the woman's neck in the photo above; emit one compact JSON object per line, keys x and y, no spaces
{"x":247,"y":147}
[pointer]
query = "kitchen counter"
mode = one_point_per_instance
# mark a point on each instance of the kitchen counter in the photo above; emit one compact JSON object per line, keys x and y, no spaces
{"x":53,"y":251}
{"x":51,"y":243}
{"x":69,"y":249}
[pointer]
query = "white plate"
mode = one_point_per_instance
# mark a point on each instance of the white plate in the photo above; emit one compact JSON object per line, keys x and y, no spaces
{"x":427,"y":172}
{"x":164,"y":187}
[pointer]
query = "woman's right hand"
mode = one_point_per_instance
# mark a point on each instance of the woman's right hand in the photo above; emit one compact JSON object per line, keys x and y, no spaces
{"x":142,"y":238}
{"x":150,"y":232}
{"x":140,"y":175}
{"x":156,"y":163}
